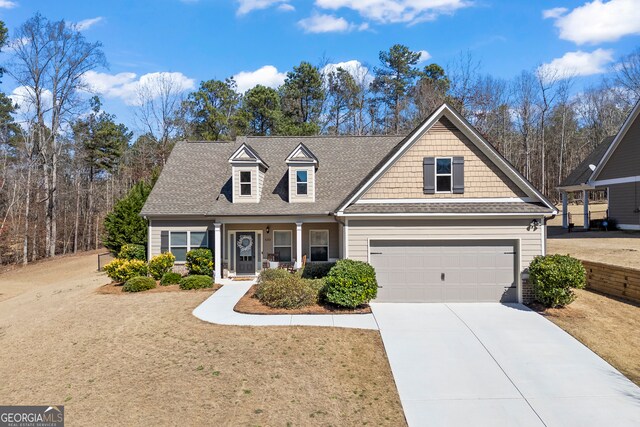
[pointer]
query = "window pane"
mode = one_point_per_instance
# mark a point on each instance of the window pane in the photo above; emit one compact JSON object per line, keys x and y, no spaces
{"x":198,"y":239}
{"x":284,"y":254}
{"x":281,"y":238}
{"x":443,"y":166}
{"x":319,"y":253}
{"x":179,"y":238}
{"x":180,"y":254}
{"x":301,"y":176}
{"x":443,"y":183}
{"x":245,"y":176}
{"x":245,"y":189}
{"x":320,"y":238}
{"x":302,"y":189}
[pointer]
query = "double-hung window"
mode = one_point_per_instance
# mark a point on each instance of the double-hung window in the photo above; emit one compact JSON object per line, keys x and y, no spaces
{"x":245,"y":183}
{"x":282,"y":244}
{"x":319,"y":245}
{"x":444,"y":175}
{"x":181,"y":242}
{"x":302,"y":183}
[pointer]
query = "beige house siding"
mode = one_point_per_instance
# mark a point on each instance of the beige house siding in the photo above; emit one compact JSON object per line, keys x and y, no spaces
{"x":253,"y":198}
{"x":159,"y":225}
{"x":482,"y":179}
{"x":310,"y":196}
{"x":623,"y":200}
{"x":625,"y":160}
{"x":334,"y":238}
{"x":359,"y":232}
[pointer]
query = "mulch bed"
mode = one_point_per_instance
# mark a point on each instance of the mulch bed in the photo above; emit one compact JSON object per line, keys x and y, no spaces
{"x":116,"y":288}
{"x":249,"y":304}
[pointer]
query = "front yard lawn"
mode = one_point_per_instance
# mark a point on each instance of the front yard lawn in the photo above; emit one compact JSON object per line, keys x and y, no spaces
{"x":608,"y":326}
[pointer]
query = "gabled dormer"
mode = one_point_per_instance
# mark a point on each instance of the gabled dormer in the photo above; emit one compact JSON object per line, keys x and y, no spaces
{"x":302,"y":174}
{"x":247,"y":174}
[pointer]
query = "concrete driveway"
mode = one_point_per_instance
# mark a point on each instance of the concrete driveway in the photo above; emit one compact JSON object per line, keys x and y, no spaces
{"x":498,"y":365}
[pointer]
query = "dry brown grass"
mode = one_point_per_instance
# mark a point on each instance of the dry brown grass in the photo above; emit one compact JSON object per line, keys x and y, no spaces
{"x":610,"y":247}
{"x":251,"y":305}
{"x":143,"y":359}
{"x":608,"y":326}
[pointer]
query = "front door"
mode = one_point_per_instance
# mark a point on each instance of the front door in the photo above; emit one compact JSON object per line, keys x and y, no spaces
{"x":245,"y":253}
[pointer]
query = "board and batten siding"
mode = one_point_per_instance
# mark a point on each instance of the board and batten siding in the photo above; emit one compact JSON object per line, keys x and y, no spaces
{"x":624,"y":199}
{"x":360,"y":232}
{"x":160,"y":225}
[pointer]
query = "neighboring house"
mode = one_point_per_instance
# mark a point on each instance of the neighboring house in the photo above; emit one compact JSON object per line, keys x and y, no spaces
{"x":613,"y":166}
{"x":439,"y":213}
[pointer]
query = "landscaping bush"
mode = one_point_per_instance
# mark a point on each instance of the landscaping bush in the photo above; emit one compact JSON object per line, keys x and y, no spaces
{"x":288,"y":291}
{"x":200,"y":262}
{"x":138,"y":284}
{"x":133,"y":251}
{"x":317,"y":270}
{"x":124,"y":224}
{"x":269,"y":274}
{"x":350,"y":283}
{"x":120,"y":270}
{"x":196,"y":281}
{"x":161,"y":264}
{"x":554,"y":277}
{"x":170,"y":278}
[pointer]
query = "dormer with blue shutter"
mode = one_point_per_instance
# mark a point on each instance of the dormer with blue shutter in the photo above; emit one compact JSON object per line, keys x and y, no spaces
{"x":247,"y":174}
{"x":303,"y":165}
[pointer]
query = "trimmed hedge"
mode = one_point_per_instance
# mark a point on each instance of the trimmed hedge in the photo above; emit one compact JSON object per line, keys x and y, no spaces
{"x":196,"y":281}
{"x":269,"y":274}
{"x":120,"y":270}
{"x":139,"y":284}
{"x":288,"y":291}
{"x":161,"y":264}
{"x":351,"y":283}
{"x":132,"y":251}
{"x":554,"y":277}
{"x":200,"y":262}
{"x":170,"y":278}
{"x":317,"y":270}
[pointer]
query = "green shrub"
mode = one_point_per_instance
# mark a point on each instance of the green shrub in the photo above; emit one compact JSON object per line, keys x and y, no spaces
{"x":133,"y":251}
{"x":121,"y":270}
{"x":200,"y":262}
{"x":196,"y":281}
{"x":170,"y":278}
{"x":317,"y":270}
{"x":269,"y":274}
{"x":161,"y":264}
{"x":288,"y":291}
{"x":125,"y":224}
{"x":350,"y":283}
{"x":554,"y":277}
{"x":138,"y":284}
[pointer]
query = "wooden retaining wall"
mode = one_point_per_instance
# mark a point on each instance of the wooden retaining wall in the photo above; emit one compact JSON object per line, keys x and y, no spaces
{"x":613,"y":280}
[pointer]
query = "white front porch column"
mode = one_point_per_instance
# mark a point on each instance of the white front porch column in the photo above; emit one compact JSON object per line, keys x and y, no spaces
{"x":565,"y":209}
{"x":585,"y":207}
{"x":217,"y":252}
{"x":298,"y":244}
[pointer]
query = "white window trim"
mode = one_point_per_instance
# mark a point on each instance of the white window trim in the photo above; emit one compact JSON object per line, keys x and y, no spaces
{"x":290,"y":246}
{"x":435,"y":171}
{"x":241,"y":183}
{"x":188,"y":245}
{"x":305,"y":182}
{"x":319,"y":246}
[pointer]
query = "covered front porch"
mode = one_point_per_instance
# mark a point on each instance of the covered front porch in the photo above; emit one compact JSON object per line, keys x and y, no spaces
{"x":584,"y":192}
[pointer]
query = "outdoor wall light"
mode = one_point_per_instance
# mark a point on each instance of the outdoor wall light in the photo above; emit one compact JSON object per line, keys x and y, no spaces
{"x":267,"y":229}
{"x":533,"y":225}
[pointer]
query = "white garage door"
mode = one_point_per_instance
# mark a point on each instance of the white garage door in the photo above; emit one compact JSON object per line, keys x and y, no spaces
{"x":444,"y":271}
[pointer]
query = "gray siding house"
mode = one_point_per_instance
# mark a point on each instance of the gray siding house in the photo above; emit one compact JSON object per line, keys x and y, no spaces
{"x":439,"y":213}
{"x":614,"y":166}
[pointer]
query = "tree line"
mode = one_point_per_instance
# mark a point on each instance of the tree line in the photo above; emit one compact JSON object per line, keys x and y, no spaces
{"x":65,"y":162}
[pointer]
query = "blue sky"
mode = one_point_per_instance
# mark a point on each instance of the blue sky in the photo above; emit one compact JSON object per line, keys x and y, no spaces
{"x":204,"y":39}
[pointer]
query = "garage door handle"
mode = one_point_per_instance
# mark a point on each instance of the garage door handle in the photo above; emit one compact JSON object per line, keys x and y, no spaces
{"x":375,"y":253}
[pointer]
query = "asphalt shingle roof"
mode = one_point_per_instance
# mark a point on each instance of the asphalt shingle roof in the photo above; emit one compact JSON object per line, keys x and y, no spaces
{"x":582,"y":172}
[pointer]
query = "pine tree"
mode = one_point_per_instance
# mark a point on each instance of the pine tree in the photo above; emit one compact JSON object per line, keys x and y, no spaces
{"x":124,"y":224}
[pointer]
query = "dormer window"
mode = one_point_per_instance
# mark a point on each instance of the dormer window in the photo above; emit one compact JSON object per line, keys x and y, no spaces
{"x":302,"y":177}
{"x":245,"y":183}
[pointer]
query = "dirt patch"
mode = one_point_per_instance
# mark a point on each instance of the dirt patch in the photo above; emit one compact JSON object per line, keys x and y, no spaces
{"x":606,"y":325}
{"x":249,"y":304}
{"x":147,"y":360}
{"x":116,"y":289}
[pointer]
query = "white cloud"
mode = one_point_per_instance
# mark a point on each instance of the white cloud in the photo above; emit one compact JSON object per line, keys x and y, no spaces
{"x":126,"y":86}
{"x":286,"y":7}
{"x":358,"y":70}
{"x":424,"y":56}
{"x":24,"y":96}
{"x":598,"y":22}
{"x":266,"y":76}
{"x":6,"y":4}
{"x":85,"y":24}
{"x":394,"y":11}
{"x":319,"y":23}
{"x":579,"y":63}
{"x":246,"y":6}
{"x":554,"y":13}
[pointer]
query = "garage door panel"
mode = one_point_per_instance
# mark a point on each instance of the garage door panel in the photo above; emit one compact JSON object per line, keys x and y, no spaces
{"x":444,"y":271}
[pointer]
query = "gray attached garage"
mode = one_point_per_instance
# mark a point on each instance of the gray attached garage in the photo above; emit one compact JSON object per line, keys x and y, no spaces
{"x":445,"y":270}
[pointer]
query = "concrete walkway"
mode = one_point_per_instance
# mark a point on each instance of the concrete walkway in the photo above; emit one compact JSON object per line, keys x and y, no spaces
{"x":498,"y":365}
{"x":218,"y":308}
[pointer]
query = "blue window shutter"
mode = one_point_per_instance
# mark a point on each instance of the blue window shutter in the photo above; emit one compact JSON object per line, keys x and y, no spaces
{"x":429,"y":175}
{"x":458,"y":175}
